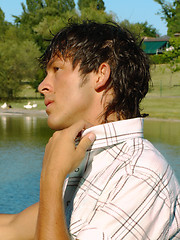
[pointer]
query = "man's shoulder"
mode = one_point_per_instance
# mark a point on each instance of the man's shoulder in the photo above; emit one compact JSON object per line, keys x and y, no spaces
{"x":139,"y":157}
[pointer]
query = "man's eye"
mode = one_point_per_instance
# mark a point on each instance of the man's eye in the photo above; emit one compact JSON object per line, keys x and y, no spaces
{"x":56,"y":69}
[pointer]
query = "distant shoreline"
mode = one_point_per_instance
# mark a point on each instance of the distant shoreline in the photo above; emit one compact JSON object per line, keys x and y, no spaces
{"x":23,"y":112}
{"x":42,"y":113}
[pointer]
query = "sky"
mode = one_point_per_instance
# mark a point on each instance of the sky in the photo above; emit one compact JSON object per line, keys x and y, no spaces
{"x":132,"y":10}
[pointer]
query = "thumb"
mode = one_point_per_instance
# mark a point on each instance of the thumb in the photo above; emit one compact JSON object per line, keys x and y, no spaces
{"x":85,"y":143}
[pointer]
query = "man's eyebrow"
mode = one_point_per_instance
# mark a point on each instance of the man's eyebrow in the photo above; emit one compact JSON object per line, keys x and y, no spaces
{"x":53,"y":60}
{"x":50,"y":63}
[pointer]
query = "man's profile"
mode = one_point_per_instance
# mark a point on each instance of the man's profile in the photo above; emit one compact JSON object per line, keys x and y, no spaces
{"x":100,"y":178}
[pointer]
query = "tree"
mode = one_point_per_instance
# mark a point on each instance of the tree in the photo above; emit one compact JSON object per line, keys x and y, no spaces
{"x":173,"y":56}
{"x":62,"y":5}
{"x":94,"y":10}
{"x":171,"y":14}
{"x":50,"y":25}
{"x":3,"y":24}
{"x":97,"y":4}
{"x":140,"y":29}
{"x":95,"y":15}
{"x":148,"y":30}
{"x":17,"y":53}
{"x":37,"y":12}
{"x":18,"y":64}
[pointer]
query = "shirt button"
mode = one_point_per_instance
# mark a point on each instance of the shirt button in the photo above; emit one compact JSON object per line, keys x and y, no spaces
{"x":77,"y":170}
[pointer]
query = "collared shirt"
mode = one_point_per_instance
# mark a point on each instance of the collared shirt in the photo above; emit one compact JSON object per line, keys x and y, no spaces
{"x":123,"y":189}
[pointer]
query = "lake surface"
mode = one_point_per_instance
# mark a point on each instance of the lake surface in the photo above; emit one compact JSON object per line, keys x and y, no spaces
{"x":22,"y":144}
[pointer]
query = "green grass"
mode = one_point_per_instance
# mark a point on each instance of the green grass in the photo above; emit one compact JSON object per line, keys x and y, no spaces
{"x":162,"y":107}
{"x":27,"y":94}
{"x":163,"y":99}
{"x":19,"y":104}
{"x":165,"y":83}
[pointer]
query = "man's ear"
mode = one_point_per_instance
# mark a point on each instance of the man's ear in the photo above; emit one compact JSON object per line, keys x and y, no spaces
{"x":102,"y":77}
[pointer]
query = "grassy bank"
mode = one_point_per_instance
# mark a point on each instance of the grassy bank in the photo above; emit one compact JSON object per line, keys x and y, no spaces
{"x":162,"y":101}
{"x":164,"y":83}
{"x":19,"y":104}
{"x":162,"y":107}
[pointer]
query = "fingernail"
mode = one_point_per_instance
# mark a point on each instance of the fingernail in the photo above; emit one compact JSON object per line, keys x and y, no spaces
{"x":92,"y":137}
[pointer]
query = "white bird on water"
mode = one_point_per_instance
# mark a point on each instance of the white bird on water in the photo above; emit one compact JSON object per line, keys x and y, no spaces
{"x":4,"y":106}
{"x":34,"y":105}
{"x":28,"y":106}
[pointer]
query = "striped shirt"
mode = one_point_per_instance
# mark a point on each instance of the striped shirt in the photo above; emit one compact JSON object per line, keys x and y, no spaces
{"x":123,"y":189}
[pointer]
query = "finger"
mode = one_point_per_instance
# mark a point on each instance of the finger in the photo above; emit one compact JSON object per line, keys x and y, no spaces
{"x":76,"y":128}
{"x":85,"y":144}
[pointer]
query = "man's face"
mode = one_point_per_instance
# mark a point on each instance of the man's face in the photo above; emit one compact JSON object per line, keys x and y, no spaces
{"x":67,"y":100}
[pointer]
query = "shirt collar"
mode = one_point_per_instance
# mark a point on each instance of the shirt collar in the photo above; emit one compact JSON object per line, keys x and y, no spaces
{"x":115,"y":132}
{"x":107,"y":134}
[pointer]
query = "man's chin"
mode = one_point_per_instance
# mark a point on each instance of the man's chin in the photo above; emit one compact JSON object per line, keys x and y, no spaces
{"x":56,"y":125}
{"x":53,"y":125}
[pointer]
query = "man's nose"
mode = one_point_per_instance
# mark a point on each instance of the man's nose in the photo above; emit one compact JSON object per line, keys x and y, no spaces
{"x":45,"y":86}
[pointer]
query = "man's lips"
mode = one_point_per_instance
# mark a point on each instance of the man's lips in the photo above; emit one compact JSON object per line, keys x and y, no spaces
{"x":48,"y":102}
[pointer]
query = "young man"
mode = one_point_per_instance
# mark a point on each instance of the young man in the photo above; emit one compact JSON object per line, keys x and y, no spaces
{"x":100,"y":178}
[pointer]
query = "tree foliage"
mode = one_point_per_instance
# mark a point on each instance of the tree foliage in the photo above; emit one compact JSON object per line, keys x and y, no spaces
{"x":174,"y":55}
{"x":3,"y":24}
{"x":171,"y":14}
{"x":17,"y":65}
{"x":96,"y":4}
{"x":35,"y":11}
{"x":96,"y":15}
{"x":140,"y":29}
{"x":25,"y":40}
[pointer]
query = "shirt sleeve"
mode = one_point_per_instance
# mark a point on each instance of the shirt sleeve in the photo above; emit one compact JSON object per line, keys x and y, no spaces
{"x":136,"y":208}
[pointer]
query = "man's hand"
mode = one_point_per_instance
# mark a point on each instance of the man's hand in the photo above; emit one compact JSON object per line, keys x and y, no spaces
{"x":61,"y":157}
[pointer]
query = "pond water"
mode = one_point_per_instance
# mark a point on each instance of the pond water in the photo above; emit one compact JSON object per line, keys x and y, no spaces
{"x":22,"y":144}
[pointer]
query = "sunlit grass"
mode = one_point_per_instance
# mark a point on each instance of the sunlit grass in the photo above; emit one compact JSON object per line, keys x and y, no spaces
{"x":164,"y":83}
{"x":163,"y":99}
{"x":162,"y":107}
{"x":19,"y":104}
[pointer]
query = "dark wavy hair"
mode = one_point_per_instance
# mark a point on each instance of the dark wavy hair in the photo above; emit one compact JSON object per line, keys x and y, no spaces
{"x":90,"y":44}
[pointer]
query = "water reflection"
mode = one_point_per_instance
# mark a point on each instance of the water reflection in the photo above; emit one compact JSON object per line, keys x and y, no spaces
{"x":165,"y":135}
{"x":4,"y":122}
{"x":22,"y":143}
{"x":167,"y":132}
{"x":24,"y":129}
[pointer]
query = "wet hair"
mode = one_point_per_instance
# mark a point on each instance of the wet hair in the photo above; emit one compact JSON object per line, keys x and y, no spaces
{"x":89,"y":44}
